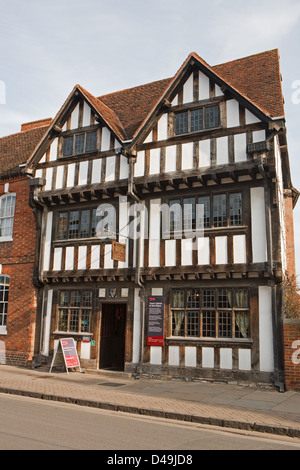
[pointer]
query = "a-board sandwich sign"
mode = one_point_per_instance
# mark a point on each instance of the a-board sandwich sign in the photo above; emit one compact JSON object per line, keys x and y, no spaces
{"x":66,"y":354}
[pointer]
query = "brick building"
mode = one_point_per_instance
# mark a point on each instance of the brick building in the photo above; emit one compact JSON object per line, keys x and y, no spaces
{"x":18,"y":295}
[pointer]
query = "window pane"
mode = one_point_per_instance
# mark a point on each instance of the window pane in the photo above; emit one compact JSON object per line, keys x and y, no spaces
{"x":95,"y":220}
{"x":64,"y":299}
{"x":192,"y":324}
{"x":203,"y":212}
{"x":209,"y":324}
{"x":74,"y":224}
{"x":85,"y":323}
{"x":74,"y":320}
{"x":208,"y":298}
{"x":68,"y":146}
{"x":193,"y":298}
{"x":189,"y":213}
{"x":177,"y":323}
{"x":62,"y":226}
{"x":225,"y":325}
{"x":63,"y":319}
{"x":235,"y":209}
{"x":224,"y":298}
{"x":181,"y":123}
{"x":220,"y":219}
{"x":79,"y":144}
{"x":178,"y":298}
{"x":197,"y":120}
{"x":242,"y":324}
{"x":175,"y":215}
{"x":91,"y":142}
{"x":75,"y":298}
{"x":241,"y":298}
{"x":212,"y":117}
{"x":85,"y":224}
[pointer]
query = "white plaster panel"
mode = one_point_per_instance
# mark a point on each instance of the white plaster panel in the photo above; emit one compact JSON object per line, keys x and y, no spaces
{"x":71,"y":175}
{"x":266,"y":352}
{"x":57,"y":259}
{"x":139,"y":166}
{"x":47,"y":323}
{"x":225,"y":358}
{"x":203,"y":251}
{"x":240,"y":147}
{"x":173,"y":355}
{"x":259,"y":136}
{"x":162,"y":127}
{"x":188,"y":93}
{"x":105,"y":139}
{"x":221,"y":250}
{"x":187,"y":161}
{"x":239,"y":249}
{"x":59,"y":177}
{"x":86,"y":120}
{"x":154,"y":161}
{"x":258,"y":225}
{"x":170,"y":252}
{"x":250,"y":118}
{"x":244,"y":357}
{"x":124,"y":168}
{"x":136,"y":327}
{"x":95,"y":257}
{"x":53,"y":150}
{"x":149,"y":138}
{"x":83,"y":173}
{"x":39,"y":173}
{"x":69,"y":262}
{"x":171,"y":156}
{"x":47,"y":244}
{"x":204,"y":153}
{"x":190,"y":356}
{"x":186,"y":251}
{"x":157,"y":291}
{"x":156,"y":355}
{"x":82,"y":253}
{"x":218,"y":91}
{"x":154,"y":233}
{"x":96,"y":170}
{"x":85,"y":352}
{"x":74,"y":118}
{"x":208,"y":357}
{"x":108,"y":262}
{"x":222,"y":150}
{"x":124,"y":229}
{"x":233,"y":113}
{"x":49,"y":179}
{"x":110,"y":168}
{"x":175,"y":101}
{"x":203,"y":86}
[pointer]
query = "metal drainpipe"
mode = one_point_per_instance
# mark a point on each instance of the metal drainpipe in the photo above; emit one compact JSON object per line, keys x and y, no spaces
{"x":132,"y":194}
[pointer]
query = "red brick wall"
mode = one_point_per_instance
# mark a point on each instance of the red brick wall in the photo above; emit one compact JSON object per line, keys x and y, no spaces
{"x":292,"y":354}
{"x":17,"y":260}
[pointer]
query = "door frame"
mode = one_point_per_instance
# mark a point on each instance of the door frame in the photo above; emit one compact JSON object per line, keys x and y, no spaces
{"x":112,"y":303}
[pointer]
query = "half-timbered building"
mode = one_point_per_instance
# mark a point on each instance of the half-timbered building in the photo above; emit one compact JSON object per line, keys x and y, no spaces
{"x":163,"y":211}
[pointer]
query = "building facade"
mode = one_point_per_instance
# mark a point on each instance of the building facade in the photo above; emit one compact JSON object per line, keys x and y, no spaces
{"x":163,"y":215}
{"x":19,"y":326}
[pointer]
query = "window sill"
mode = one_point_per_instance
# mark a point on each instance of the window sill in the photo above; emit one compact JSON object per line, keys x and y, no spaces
{"x":71,"y":333}
{"x":215,"y":342}
{"x":3,"y":330}
{"x":6,"y":239}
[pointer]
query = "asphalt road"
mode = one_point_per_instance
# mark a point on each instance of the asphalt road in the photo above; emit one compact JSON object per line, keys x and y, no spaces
{"x":33,"y":424}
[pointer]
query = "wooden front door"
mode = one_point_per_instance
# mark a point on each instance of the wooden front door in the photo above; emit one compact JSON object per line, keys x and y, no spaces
{"x":112,"y":339}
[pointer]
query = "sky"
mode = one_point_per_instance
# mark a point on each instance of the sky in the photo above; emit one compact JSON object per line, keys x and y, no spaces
{"x":47,"y":47}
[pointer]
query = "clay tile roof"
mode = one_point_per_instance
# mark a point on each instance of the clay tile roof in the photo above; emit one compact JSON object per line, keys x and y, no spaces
{"x":258,"y":78}
{"x":15,"y":149}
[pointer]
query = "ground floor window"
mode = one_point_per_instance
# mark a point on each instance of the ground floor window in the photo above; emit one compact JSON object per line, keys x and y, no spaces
{"x":75,"y":311}
{"x":210,"y":313}
{"x":4,"y":288}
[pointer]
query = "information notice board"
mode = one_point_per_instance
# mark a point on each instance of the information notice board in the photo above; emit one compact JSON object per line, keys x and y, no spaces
{"x":66,"y":354}
{"x":156,"y":306}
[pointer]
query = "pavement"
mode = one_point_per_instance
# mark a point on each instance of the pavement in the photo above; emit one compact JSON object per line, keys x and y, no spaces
{"x":244,"y":407}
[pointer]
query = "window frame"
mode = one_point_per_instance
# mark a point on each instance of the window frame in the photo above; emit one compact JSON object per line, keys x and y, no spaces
{"x":211,"y":313}
{"x":4,"y":297}
{"x":69,"y":316}
{"x":187,"y":119}
{"x":3,"y":197}
{"x":75,"y":137}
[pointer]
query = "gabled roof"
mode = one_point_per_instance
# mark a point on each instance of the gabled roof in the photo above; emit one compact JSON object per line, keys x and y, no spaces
{"x":15,"y":149}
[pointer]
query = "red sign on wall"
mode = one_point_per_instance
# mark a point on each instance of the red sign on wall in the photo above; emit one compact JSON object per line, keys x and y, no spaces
{"x":155,"y":335}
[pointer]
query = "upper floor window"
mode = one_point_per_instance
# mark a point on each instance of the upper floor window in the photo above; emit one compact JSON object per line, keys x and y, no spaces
{"x":4,"y":288}
{"x":79,"y":143}
{"x":7,"y":212}
{"x":199,"y":119}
